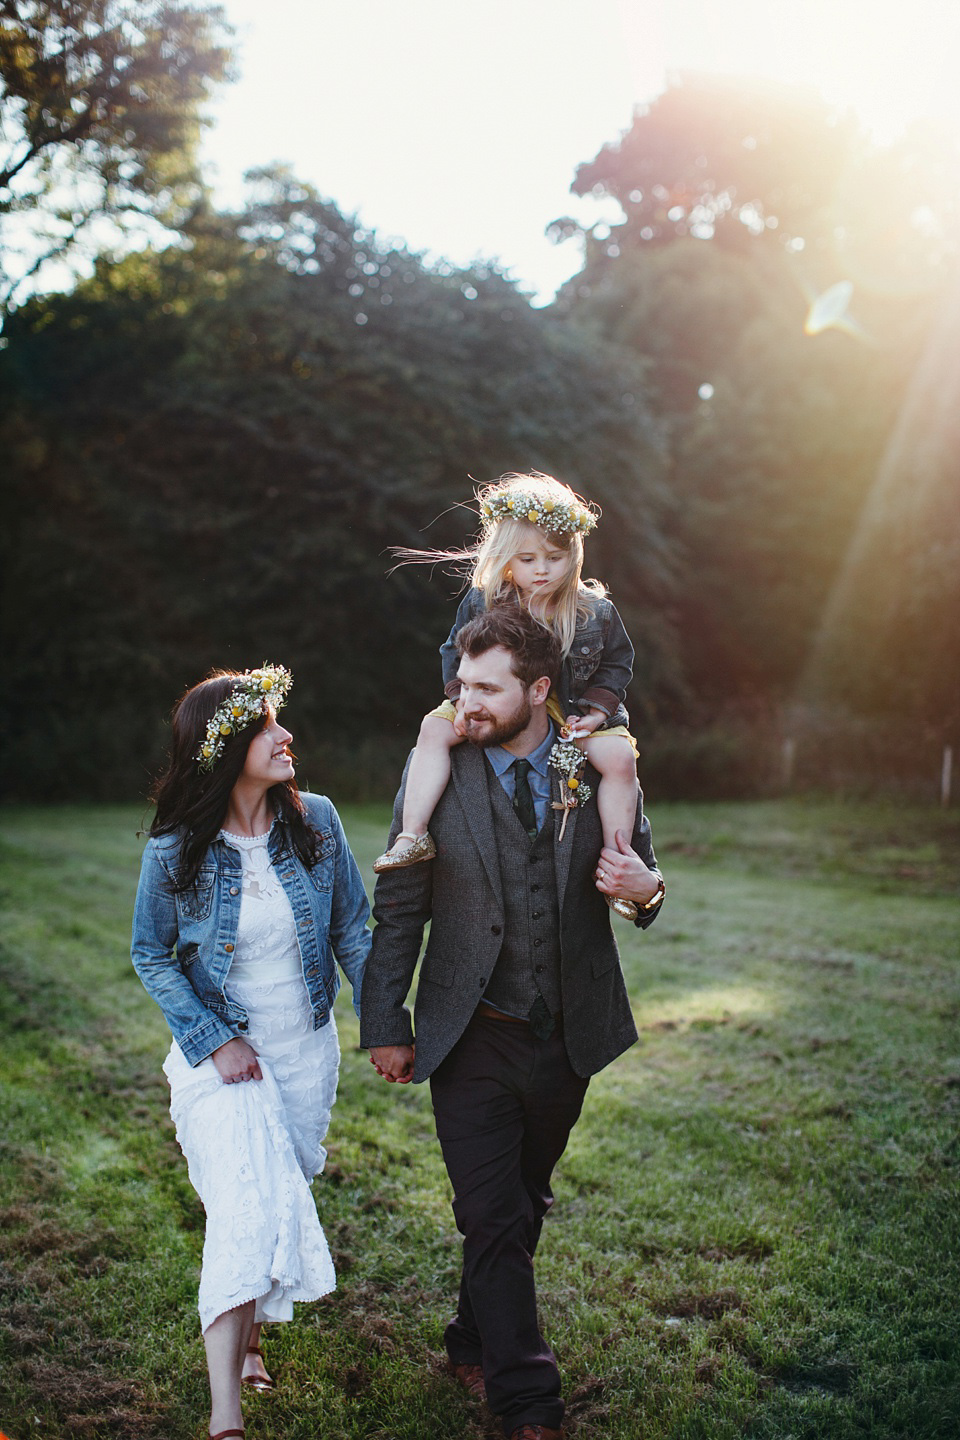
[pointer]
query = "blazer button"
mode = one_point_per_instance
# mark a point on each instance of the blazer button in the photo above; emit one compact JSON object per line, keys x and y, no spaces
{"x":495,"y":929}
{"x":229,"y":949}
{"x":538,"y":941}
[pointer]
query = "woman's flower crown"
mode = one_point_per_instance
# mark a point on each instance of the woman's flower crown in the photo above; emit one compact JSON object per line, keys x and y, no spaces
{"x":254,"y":689}
{"x":562,"y":517}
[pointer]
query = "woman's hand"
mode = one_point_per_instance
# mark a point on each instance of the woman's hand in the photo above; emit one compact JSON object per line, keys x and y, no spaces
{"x":237,"y":1061}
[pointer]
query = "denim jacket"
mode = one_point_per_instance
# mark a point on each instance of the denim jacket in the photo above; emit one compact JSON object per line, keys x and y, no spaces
{"x":596,"y":672}
{"x":183,"y":943}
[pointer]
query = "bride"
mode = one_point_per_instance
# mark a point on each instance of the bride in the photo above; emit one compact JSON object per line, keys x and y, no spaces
{"x":247,"y":892}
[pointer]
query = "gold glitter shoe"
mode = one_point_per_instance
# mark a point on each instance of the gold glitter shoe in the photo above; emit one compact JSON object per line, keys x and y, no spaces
{"x":624,"y":908}
{"x":421,"y":848}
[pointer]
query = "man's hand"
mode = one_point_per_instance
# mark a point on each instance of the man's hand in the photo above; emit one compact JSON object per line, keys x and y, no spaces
{"x":622,"y":872}
{"x":393,"y":1062}
{"x":236,"y":1061}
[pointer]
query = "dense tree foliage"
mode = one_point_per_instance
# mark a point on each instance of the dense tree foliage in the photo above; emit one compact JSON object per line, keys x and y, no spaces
{"x":216,"y":447}
{"x":212,"y":448}
{"x":100,"y":104}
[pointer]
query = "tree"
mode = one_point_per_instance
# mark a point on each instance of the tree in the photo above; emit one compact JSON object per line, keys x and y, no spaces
{"x":742,"y":204}
{"x":236,"y":434}
{"x":99,"y":118}
{"x":728,"y":159}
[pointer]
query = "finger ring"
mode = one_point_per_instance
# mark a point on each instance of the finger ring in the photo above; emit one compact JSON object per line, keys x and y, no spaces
{"x":600,"y":875}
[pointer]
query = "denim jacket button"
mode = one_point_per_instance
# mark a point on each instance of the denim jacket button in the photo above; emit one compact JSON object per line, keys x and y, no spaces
{"x":234,"y":890}
{"x":229,"y":949}
{"x":243,"y":1025}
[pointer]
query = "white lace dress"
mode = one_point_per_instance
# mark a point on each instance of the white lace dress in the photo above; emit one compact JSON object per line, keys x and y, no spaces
{"x":252,"y":1148}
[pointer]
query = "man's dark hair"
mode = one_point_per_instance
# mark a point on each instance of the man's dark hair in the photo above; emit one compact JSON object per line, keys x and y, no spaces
{"x":534,"y":650}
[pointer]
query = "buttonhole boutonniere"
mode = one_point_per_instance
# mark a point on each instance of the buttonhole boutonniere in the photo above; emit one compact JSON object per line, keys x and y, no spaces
{"x":569,"y":760}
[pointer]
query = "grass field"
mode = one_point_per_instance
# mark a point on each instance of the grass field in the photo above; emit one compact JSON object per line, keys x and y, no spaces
{"x":757,"y":1219}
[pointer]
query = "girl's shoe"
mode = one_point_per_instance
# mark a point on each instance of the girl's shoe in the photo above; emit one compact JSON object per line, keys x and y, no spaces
{"x":624,"y":908}
{"x":421,"y":847}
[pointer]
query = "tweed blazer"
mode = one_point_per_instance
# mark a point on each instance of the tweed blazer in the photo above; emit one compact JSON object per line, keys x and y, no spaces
{"x":460,"y":894}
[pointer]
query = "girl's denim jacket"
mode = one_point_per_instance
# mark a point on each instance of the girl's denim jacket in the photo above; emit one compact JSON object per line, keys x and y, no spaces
{"x":596,"y":672}
{"x":183,"y":943}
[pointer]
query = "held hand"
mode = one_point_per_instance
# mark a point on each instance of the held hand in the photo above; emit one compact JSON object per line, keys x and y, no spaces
{"x":393,"y":1062}
{"x":237,"y":1061}
{"x":459,"y":724}
{"x":622,"y":872}
{"x":578,"y":727}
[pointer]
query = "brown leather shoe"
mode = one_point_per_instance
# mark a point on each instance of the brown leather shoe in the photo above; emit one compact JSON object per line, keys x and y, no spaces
{"x":471,"y":1378}
{"x":536,"y":1432}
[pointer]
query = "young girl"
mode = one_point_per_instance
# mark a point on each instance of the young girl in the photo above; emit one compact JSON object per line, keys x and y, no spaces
{"x":531,"y":551}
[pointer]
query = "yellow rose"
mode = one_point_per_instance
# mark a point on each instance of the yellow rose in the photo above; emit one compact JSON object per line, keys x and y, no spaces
{"x":267,"y":683}
{"x":532,"y":516}
{"x":226,"y":729}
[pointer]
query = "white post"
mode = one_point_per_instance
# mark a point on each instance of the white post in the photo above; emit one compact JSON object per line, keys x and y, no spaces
{"x":946,"y":774}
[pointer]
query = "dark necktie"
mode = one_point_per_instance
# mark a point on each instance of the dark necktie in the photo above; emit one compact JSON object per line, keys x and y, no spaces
{"x":523,"y":799}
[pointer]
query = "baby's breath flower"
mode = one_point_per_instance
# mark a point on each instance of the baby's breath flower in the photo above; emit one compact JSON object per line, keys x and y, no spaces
{"x":560,"y":517}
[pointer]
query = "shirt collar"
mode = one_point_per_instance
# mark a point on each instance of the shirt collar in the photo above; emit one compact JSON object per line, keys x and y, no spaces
{"x":501,"y":759}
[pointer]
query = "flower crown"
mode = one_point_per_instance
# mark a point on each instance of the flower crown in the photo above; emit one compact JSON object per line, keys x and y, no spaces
{"x":254,"y":689}
{"x":562,"y":517}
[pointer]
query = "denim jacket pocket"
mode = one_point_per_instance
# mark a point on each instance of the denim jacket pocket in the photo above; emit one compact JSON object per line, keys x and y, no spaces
{"x":584,"y":658}
{"x":322,"y":872}
{"x":195,"y":903}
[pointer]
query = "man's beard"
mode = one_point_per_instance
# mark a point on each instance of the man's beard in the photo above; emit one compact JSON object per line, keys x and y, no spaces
{"x":500,"y":732}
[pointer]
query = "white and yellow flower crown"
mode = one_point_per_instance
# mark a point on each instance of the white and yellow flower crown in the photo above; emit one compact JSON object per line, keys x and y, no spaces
{"x":254,"y":689}
{"x":562,"y":517}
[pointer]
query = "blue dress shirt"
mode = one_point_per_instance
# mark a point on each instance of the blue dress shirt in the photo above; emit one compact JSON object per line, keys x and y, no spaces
{"x":539,"y":776}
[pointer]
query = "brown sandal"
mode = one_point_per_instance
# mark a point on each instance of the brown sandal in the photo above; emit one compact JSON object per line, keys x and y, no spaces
{"x":262,"y":1383}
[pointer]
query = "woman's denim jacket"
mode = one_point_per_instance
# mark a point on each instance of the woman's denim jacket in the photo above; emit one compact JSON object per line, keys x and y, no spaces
{"x":596,"y":672}
{"x":183,"y":943}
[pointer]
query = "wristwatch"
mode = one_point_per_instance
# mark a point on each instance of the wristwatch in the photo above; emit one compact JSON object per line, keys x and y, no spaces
{"x":657,"y":899}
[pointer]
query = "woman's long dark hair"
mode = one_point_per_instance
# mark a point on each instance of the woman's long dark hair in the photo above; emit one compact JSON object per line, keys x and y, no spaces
{"x":193,"y":803}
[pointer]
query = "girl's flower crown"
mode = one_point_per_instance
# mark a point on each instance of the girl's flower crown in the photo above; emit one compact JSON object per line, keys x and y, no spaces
{"x":269,"y":685}
{"x":562,"y":517}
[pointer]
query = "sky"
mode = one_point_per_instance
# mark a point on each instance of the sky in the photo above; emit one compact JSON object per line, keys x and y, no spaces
{"x":457,"y":126}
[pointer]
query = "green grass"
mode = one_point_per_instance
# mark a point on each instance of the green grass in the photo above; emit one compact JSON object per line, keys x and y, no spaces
{"x":756,"y":1227}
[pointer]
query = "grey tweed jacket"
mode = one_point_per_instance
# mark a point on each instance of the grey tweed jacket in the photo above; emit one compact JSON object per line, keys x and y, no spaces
{"x":460,"y":894}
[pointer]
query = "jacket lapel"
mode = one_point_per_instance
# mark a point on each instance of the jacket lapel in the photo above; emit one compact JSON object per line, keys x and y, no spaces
{"x":470,"y":780}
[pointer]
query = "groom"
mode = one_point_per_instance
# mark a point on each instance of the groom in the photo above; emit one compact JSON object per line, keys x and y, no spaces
{"x":520,"y":996}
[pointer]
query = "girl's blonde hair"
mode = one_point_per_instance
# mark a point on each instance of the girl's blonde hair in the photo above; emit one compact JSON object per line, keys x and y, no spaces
{"x":486,"y":564}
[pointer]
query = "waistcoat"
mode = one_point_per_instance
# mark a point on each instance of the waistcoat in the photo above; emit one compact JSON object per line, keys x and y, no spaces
{"x":529,"y":959}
